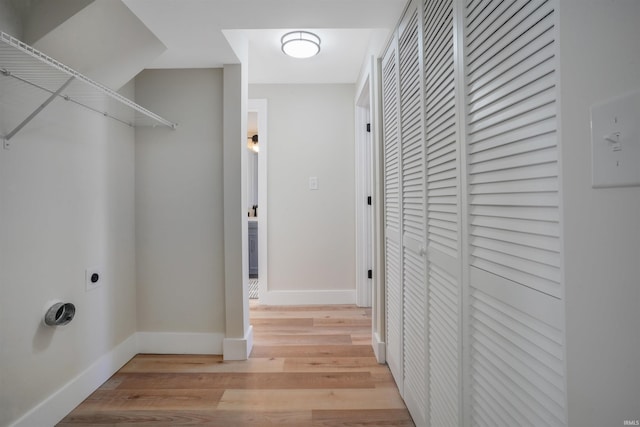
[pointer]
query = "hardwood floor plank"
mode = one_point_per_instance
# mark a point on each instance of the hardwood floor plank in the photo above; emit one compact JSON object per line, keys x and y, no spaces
{"x":320,"y":314}
{"x":364,"y":322}
{"x":358,"y":338}
{"x":189,"y":418}
{"x":288,"y":400}
{"x":336,"y":329}
{"x":267,"y":321}
{"x":260,"y":350}
{"x":242,"y":380}
{"x":370,"y":417}
{"x":308,"y":339}
{"x":306,"y":309}
{"x":189,"y":363}
{"x":151,"y":399}
{"x":332,"y":364}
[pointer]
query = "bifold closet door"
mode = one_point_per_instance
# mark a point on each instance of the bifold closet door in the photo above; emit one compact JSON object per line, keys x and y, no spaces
{"x":413,"y":214}
{"x":443,"y":213}
{"x":516,"y":333}
{"x":392,"y":218}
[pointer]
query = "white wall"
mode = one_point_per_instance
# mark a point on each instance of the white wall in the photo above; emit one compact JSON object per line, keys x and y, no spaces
{"x":66,"y":204}
{"x":600,"y":59}
{"x":179,"y":204}
{"x":106,"y":56}
{"x":311,"y":233}
{"x":44,"y":16}
{"x":10,"y":19}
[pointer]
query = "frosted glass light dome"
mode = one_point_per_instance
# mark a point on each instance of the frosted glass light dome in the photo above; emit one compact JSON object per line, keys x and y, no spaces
{"x":300,"y":44}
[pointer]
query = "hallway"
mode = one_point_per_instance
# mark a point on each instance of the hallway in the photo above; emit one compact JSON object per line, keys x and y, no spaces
{"x":310,"y":366}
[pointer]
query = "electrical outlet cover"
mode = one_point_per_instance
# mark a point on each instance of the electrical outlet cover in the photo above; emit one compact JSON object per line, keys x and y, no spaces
{"x":93,"y":278}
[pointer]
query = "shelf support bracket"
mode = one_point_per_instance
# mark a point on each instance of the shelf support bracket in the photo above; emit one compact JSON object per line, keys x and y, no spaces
{"x":37,"y":111}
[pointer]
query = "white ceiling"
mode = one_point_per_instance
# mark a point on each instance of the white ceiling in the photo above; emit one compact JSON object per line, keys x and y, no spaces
{"x":197,"y":32}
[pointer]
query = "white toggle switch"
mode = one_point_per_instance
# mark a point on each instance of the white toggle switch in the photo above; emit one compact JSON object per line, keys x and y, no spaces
{"x":313,"y":183}
{"x":615,"y":141}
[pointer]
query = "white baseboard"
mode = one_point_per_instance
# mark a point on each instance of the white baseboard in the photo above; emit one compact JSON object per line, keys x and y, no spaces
{"x":180,"y":342}
{"x":55,"y":407}
{"x":379,"y":348}
{"x":328,"y":297}
{"x":238,"y":348}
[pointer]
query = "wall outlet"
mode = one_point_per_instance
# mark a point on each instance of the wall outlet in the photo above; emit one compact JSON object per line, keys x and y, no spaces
{"x":93,"y":278}
{"x":313,"y":183}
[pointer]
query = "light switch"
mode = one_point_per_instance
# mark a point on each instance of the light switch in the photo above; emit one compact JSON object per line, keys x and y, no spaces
{"x":313,"y":183}
{"x":615,"y":141}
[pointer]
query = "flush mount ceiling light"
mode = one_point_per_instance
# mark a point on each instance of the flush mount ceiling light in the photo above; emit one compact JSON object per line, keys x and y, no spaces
{"x":300,"y":44}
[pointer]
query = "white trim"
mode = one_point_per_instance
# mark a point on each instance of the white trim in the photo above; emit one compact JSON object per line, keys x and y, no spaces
{"x":238,"y":348}
{"x":320,"y":297}
{"x":378,"y":312}
{"x":180,"y":342}
{"x":379,"y":348}
{"x":60,"y":403}
{"x":363,"y":213}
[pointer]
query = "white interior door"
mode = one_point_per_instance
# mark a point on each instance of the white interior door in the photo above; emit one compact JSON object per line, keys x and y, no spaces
{"x":443,"y":213}
{"x":413,"y":212}
{"x":516,"y":338}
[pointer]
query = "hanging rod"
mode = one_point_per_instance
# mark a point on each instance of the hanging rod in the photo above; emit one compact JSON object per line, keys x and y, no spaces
{"x":25,"y":63}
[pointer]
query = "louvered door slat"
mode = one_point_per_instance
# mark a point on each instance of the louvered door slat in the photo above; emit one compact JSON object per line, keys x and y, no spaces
{"x":542,"y":214}
{"x":499,"y":80}
{"x":497,"y":149}
{"x":515,"y":329}
{"x":432,"y":16}
{"x":498,"y":54}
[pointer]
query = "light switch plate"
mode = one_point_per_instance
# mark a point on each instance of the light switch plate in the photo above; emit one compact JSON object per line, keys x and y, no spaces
{"x":615,"y":141}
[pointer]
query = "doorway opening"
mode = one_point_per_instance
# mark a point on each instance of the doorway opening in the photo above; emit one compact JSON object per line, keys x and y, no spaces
{"x":257,"y":197}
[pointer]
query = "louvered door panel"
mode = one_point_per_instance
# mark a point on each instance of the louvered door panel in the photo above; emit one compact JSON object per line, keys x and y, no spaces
{"x":441,"y":134}
{"x":413,"y":218}
{"x":517,"y":366}
{"x":516,"y":338}
{"x":512,"y":143}
{"x":442,"y":178}
{"x":392,"y":218}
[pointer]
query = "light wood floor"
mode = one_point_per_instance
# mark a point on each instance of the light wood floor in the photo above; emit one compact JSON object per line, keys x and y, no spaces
{"x":310,"y":366}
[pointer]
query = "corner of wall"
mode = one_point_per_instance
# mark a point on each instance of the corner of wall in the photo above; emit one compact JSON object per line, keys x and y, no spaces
{"x":55,"y":407}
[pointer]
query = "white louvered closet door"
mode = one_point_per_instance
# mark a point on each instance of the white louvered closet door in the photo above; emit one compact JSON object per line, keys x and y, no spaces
{"x":443,"y":218}
{"x":392,"y":217}
{"x":516,"y":338}
{"x":413,"y":205}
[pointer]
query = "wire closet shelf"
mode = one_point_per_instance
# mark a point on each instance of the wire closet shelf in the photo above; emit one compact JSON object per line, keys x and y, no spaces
{"x":49,"y":79}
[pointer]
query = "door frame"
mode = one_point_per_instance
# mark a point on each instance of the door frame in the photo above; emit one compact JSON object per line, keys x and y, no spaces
{"x":369,"y":82}
{"x":364,"y":189}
